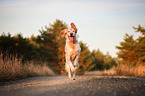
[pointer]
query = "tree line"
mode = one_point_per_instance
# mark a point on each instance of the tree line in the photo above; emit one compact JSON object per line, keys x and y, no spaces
{"x":132,"y":51}
{"x":49,"y":47}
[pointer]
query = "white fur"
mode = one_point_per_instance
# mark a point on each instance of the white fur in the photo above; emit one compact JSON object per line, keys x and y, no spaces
{"x":72,"y":52}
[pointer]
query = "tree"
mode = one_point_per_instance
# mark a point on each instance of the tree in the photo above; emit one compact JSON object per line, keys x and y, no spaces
{"x":140,"y":29}
{"x":101,"y":61}
{"x":131,"y":50}
{"x":127,"y":49}
{"x":97,"y":59}
{"x":140,"y":49}
{"x":85,"y":61}
{"x":108,"y":61}
{"x":140,"y":44}
{"x":16,"y":46}
{"x":59,"y":41}
{"x":52,"y":40}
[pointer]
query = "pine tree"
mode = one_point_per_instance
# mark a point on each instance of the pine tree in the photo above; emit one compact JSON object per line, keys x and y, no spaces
{"x":53,"y":41}
{"x":108,"y":61}
{"x":131,"y":50}
{"x":140,"y":49}
{"x":85,"y":61}
{"x":127,"y":49}
{"x":140,"y":29}
{"x":97,"y":59}
{"x":140,"y":44}
{"x":59,"y":41}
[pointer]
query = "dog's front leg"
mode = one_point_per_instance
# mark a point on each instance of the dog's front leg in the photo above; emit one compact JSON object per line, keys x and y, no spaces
{"x":68,"y":61}
{"x":67,"y":68}
{"x":69,"y":75}
{"x":76,"y":65}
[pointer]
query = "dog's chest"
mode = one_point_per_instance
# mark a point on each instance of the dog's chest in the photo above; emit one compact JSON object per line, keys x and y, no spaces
{"x":73,"y":51}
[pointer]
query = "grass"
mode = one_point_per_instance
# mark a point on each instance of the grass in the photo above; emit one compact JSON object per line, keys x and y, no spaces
{"x":131,"y":70}
{"x":127,"y":70}
{"x":111,"y":71}
{"x":12,"y":69}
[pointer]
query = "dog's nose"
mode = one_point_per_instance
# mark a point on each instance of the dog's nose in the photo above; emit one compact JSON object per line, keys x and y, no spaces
{"x":71,"y":34}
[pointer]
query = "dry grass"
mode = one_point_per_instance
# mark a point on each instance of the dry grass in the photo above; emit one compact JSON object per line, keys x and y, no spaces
{"x":127,"y":70}
{"x":111,"y":71}
{"x":39,"y":70}
{"x":140,"y":70}
{"x":131,"y":70}
{"x":12,"y":69}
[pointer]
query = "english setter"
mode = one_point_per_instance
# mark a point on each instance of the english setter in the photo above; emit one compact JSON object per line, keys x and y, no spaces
{"x":72,"y":50}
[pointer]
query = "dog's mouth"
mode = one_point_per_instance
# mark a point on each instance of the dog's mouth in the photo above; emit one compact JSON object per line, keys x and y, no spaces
{"x":71,"y":38}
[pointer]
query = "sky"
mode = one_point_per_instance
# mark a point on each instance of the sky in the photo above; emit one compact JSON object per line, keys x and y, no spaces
{"x":101,"y":24}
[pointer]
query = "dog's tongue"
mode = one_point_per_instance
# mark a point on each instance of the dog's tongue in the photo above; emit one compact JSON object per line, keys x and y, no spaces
{"x":71,"y":39}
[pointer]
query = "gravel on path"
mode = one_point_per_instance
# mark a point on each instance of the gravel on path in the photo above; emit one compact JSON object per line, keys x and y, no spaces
{"x":82,"y":86}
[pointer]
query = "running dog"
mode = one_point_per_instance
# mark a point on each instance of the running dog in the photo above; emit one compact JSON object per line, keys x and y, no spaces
{"x":72,"y":50}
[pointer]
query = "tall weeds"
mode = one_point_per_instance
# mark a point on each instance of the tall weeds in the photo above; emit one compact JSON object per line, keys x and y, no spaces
{"x":12,"y":68}
{"x":137,"y":70}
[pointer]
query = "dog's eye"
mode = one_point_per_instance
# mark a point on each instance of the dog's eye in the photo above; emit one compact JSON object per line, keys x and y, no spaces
{"x":68,"y":31}
{"x":73,"y":31}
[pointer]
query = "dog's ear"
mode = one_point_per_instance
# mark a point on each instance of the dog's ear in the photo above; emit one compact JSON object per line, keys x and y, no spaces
{"x":63,"y":32}
{"x":74,"y":27}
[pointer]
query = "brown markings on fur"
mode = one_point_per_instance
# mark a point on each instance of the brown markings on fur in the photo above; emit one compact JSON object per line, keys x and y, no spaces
{"x":74,"y":27}
{"x":63,"y":32}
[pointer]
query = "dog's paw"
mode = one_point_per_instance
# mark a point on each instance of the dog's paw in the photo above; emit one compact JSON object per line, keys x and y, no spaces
{"x":69,"y":78}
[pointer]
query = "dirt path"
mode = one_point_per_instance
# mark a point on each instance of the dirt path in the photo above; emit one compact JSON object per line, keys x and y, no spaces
{"x":82,"y":86}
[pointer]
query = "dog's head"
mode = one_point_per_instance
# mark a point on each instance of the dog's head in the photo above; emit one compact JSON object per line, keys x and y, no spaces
{"x":70,"y":33}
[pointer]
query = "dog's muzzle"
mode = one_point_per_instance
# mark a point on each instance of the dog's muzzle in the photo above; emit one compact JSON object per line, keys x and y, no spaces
{"x":71,"y":37}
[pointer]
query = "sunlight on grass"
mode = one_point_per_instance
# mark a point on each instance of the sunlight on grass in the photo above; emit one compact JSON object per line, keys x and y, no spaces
{"x":13,"y":68}
{"x":127,"y":70}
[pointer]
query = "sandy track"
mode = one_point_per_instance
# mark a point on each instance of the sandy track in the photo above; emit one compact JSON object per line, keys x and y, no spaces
{"x":82,"y":86}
